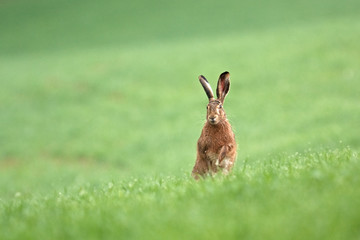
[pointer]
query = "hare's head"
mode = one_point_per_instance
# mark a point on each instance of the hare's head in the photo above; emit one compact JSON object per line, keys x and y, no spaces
{"x":215,"y":111}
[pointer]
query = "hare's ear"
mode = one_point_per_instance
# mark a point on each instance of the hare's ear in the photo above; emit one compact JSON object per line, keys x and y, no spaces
{"x":223,"y":86}
{"x":206,"y":87}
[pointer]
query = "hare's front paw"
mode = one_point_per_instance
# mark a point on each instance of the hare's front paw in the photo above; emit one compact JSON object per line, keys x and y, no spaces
{"x":225,"y":163}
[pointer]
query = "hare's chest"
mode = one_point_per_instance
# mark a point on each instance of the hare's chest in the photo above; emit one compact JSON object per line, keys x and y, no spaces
{"x":211,"y":147}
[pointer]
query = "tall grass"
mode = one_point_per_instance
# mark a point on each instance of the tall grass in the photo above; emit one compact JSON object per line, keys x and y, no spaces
{"x":312,"y":195}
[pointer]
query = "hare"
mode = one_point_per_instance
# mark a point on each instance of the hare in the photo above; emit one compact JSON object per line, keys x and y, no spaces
{"x":216,"y":147}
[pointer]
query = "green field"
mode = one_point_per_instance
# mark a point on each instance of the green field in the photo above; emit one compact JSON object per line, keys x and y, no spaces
{"x":101,"y":108}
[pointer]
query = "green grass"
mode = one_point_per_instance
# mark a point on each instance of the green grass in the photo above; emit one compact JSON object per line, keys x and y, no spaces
{"x":301,"y":196}
{"x":100,"y":111}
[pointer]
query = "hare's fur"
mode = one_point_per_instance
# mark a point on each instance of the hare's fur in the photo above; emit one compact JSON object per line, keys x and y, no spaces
{"x":216,"y":147}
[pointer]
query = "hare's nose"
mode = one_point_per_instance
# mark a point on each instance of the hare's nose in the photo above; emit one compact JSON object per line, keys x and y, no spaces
{"x":212,"y":119}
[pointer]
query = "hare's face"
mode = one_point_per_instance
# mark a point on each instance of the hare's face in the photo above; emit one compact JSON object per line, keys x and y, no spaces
{"x":215,"y":112}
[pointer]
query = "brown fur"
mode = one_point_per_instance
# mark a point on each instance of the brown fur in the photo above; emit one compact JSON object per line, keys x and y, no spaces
{"x":216,"y":147}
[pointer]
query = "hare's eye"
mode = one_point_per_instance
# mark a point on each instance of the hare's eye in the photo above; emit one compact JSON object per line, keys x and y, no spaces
{"x":220,"y":106}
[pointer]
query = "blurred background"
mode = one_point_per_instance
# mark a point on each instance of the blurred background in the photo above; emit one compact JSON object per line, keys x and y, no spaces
{"x":97,"y":90}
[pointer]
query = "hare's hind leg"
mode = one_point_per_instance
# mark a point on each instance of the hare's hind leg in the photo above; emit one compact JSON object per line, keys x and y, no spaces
{"x":200,"y":168}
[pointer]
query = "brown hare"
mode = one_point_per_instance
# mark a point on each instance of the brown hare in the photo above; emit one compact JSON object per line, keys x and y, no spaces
{"x":216,"y":147}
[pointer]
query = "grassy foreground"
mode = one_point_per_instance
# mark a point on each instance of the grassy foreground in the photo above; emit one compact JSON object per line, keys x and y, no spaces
{"x":314,"y":195}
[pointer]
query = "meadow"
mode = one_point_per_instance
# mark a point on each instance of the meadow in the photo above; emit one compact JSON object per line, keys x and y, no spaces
{"x":101,"y":108}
